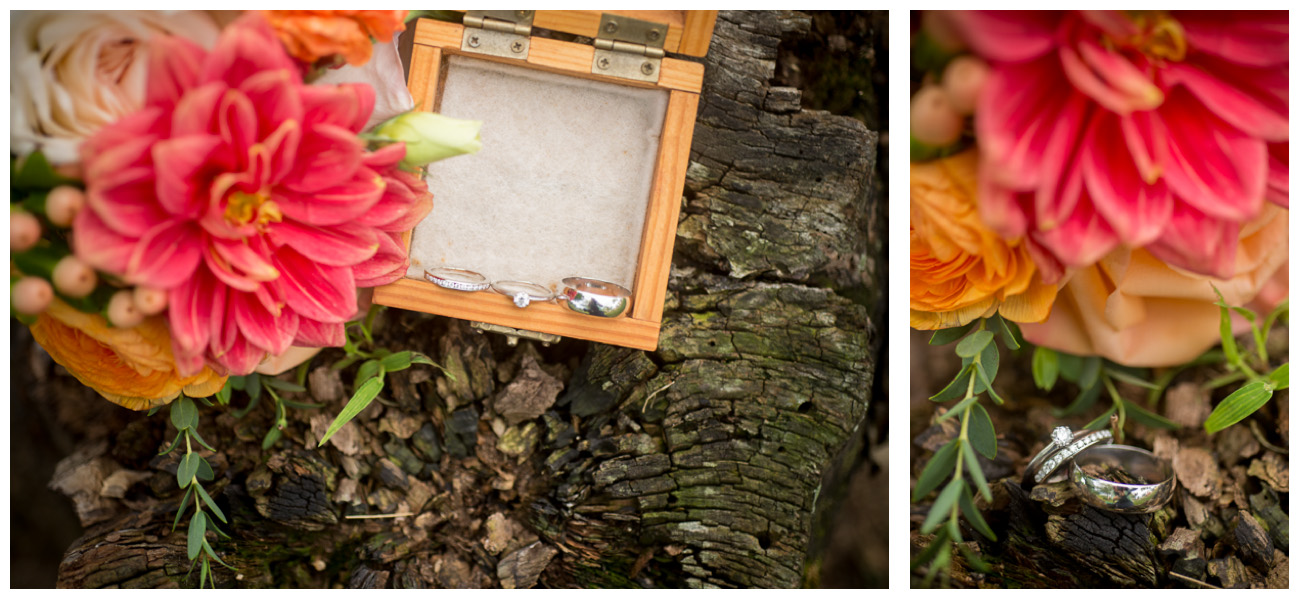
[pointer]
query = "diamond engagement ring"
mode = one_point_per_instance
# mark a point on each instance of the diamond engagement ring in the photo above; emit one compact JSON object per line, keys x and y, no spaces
{"x":463,"y":280}
{"x":1064,"y":445}
{"x":523,"y":292}
{"x":1154,"y":475}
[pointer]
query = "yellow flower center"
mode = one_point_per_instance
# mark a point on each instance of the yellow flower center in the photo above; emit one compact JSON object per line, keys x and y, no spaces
{"x":1159,"y":36}
{"x":244,"y":208}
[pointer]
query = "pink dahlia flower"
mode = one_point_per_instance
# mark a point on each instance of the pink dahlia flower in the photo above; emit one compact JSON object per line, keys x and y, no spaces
{"x":248,"y":197}
{"x":1145,"y":129}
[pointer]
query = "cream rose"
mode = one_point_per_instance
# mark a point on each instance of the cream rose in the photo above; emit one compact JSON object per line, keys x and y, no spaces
{"x":71,"y":73}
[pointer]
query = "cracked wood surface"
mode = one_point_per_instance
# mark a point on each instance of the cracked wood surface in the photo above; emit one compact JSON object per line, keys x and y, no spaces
{"x":715,"y":461}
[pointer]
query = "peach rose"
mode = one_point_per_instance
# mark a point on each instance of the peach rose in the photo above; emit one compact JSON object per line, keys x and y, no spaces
{"x":132,"y":367}
{"x":310,"y":35}
{"x":1136,"y":310}
{"x":73,"y":72}
{"x":961,"y":270}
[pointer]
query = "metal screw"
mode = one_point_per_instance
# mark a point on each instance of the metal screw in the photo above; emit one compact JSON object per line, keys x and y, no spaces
{"x":522,"y":13}
{"x":647,"y":68}
{"x":517,"y":47}
{"x":653,"y":35}
{"x":473,"y":41}
{"x":603,"y":63}
{"x":611,"y":27}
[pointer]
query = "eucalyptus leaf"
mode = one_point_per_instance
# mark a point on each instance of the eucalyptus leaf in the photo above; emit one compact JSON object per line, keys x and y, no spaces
{"x":360,"y":400}
{"x":175,"y":442}
{"x":974,"y":560}
{"x":974,"y":517}
{"x":974,"y":344}
{"x":943,"y":337}
{"x":1045,"y":367}
{"x":1239,"y":405}
{"x":939,"y":468}
{"x":957,"y":408}
{"x":184,"y":414}
{"x":943,"y":504}
{"x":194,"y":541}
{"x":956,"y":388}
{"x":194,"y":433}
{"x":187,"y":469}
{"x":272,"y":436}
{"x":180,"y":510}
{"x":210,"y":503}
{"x":976,"y":472}
{"x":1011,"y":337}
{"x":204,"y":471}
{"x":929,"y":552}
{"x":980,"y":432}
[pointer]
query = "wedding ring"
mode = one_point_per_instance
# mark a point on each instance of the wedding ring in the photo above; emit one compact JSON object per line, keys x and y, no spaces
{"x":595,"y":297}
{"x":1132,"y":498}
{"x":1063,"y":445}
{"x":523,"y":292}
{"x":463,"y":280}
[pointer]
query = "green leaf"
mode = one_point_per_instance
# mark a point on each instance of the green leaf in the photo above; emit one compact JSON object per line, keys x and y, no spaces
{"x":175,"y":442}
{"x":272,"y":436}
{"x":1099,"y":421}
{"x":943,"y":504}
{"x":1146,"y":417}
{"x":980,"y":432}
{"x":213,"y":553}
{"x":973,"y":515}
{"x":252,"y":403}
{"x":1089,"y":371}
{"x":1281,"y":311}
{"x":1071,"y":366}
{"x":360,"y":400}
{"x":35,"y":173}
{"x":941,"y":562}
{"x":956,"y":388}
{"x":204,"y":470}
{"x":1011,"y":337}
{"x":974,"y":344}
{"x":194,"y":541}
{"x":1223,"y":380}
{"x":1082,"y":402}
{"x":184,"y":414}
{"x":211,"y":505}
{"x":1045,"y":367}
{"x":1239,"y":405}
{"x":180,"y":510}
{"x":396,"y":361}
{"x":940,"y":540}
{"x":420,"y":359}
{"x":973,"y":558}
{"x":1280,"y":377}
{"x":187,"y":469}
{"x":369,"y":370}
{"x":1127,"y":377}
{"x":344,"y":362}
{"x":1225,"y":331}
{"x":976,"y":472}
{"x":253,"y":385}
{"x":943,"y":337}
{"x":957,"y":408}
{"x":280,"y":384}
{"x":194,"y":433}
{"x":236,"y":382}
{"x":935,"y":471}
{"x":989,"y":358}
{"x":987,"y":383}
{"x":223,"y":394}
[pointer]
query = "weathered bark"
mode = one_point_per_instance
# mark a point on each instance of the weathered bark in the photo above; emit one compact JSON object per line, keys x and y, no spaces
{"x":710,"y":462}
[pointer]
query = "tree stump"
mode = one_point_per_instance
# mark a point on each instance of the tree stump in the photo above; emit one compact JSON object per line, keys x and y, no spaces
{"x":713,"y":461}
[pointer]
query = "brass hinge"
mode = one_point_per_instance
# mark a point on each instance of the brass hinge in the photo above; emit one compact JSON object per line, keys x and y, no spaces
{"x":503,"y":33}
{"x":629,"y":48}
{"x":513,"y":335}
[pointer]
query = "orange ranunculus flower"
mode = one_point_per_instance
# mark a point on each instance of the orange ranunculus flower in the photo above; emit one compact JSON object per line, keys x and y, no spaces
{"x":132,"y":367}
{"x":1136,"y":310}
{"x":961,"y":270}
{"x":310,"y":35}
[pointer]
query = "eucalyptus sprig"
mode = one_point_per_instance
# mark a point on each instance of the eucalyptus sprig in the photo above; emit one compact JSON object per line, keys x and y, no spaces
{"x":957,"y":459}
{"x":1093,"y":375}
{"x":376,"y":364}
{"x":1261,"y":379}
{"x":192,"y":470}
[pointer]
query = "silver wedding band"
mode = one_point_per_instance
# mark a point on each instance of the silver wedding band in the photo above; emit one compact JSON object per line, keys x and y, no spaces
{"x":463,"y":280}
{"x":1064,"y":445}
{"x":1131,"y":498}
{"x":595,"y":297}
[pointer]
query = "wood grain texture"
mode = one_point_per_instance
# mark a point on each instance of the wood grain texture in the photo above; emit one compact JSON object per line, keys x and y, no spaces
{"x":426,"y":65}
{"x":697,"y":32}
{"x":491,"y":307}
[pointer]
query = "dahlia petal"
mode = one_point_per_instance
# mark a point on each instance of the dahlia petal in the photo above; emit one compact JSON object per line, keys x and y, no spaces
{"x":1020,"y":127}
{"x":1249,"y":112}
{"x":178,"y":163}
{"x":391,"y":256}
{"x":196,"y":113}
{"x":242,"y":357}
{"x":346,"y":105}
{"x":166,"y":255}
{"x":1209,"y":163}
{"x":261,"y":328}
{"x":278,"y":98}
{"x":1278,"y":174}
{"x":341,"y":245}
{"x":99,"y":245}
{"x":282,"y":149}
{"x":1080,"y":240}
{"x":998,"y":207}
{"x":174,"y":67}
{"x":385,"y":157}
{"x":237,"y":124}
{"x":1198,"y":243}
{"x":1246,"y":37}
{"x":315,"y":334}
{"x":1137,"y":211}
{"x":1124,"y":89}
{"x":150,"y":122}
{"x":327,"y":156}
{"x":125,"y":202}
{"x":241,"y":255}
{"x":338,"y":204}
{"x":316,"y":291}
{"x":246,"y":47}
{"x":412,"y":216}
{"x":1010,"y":36}
{"x":190,"y":306}
{"x":385,"y":278}
{"x":227,"y":275}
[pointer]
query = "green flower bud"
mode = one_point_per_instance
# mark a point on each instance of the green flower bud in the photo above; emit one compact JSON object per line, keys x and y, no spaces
{"x":431,"y":137}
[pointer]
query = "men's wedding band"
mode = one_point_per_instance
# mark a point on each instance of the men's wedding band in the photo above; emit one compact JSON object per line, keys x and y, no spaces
{"x":595,"y":297}
{"x":1132,"y":498}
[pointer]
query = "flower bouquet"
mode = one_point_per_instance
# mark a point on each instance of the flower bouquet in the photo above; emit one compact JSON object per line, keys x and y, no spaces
{"x":1110,"y":188}
{"x":195,"y":196}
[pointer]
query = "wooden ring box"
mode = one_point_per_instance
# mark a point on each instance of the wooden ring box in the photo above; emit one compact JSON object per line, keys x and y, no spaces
{"x":581,"y":171}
